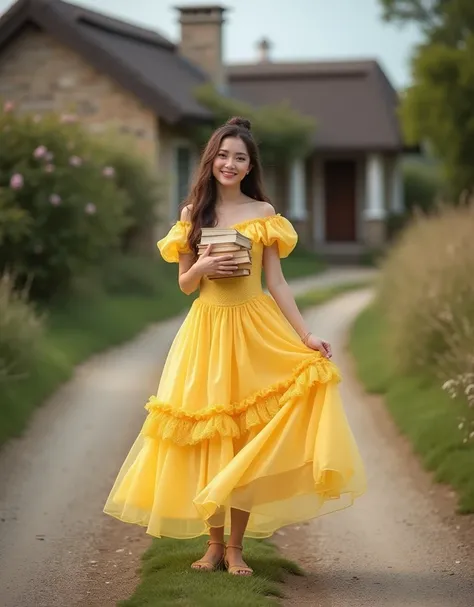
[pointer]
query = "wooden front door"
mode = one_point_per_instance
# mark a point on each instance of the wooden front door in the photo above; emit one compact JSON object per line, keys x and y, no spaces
{"x":340,"y":203}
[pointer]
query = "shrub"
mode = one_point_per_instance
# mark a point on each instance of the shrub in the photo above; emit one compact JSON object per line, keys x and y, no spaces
{"x":422,"y":186}
{"x":427,"y":292}
{"x":282,"y":132}
{"x":60,"y":210}
{"x":134,"y":176}
{"x":20,"y":330}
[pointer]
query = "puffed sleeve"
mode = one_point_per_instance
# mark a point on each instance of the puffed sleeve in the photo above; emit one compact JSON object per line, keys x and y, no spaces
{"x":175,"y":242}
{"x":277,"y":228}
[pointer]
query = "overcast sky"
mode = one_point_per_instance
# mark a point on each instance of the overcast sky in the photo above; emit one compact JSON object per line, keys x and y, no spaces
{"x":299,"y":30}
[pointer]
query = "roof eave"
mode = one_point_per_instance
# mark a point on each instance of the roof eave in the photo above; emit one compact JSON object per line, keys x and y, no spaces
{"x":61,"y":30}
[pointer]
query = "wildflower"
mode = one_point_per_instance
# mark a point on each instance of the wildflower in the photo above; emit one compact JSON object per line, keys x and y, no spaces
{"x":448,"y":385}
{"x":40,"y":152}
{"x":108,"y":172}
{"x":68,"y":118}
{"x":75,"y":161}
{"x":17,"y":181}
{"x":8,"y":106}
{"x":90,"y":208}
{"x":55,"y":200}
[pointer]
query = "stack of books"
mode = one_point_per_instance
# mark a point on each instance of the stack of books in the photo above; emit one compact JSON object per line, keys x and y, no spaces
{"x":227,"y":241}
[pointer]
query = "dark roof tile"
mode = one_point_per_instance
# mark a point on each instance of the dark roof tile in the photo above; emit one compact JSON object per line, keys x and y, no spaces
{"x":141,"y":60}
{"x":353,"y":103}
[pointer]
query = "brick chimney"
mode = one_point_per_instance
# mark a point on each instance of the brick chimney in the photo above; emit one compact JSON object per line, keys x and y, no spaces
{"x":201,"y":39}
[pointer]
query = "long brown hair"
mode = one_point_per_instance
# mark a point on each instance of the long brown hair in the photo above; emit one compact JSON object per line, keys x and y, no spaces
{"x":203,"y":195}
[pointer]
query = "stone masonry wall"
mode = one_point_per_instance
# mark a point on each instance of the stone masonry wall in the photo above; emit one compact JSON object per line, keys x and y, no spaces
{"x":40,"y":75}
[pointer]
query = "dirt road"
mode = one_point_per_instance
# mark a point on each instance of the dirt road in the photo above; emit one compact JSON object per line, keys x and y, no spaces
{"x":400,"y":545}
{"x":57,"y":549}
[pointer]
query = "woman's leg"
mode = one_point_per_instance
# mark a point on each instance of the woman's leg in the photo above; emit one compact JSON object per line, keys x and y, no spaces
{"x":239,"y":520}
{"x":215,"y":550}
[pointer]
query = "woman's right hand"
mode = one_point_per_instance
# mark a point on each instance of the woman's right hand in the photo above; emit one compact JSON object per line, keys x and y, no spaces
{"x":223,"y":265}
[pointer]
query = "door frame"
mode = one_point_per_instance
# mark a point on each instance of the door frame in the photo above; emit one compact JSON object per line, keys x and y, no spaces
{"x":319,"y":194}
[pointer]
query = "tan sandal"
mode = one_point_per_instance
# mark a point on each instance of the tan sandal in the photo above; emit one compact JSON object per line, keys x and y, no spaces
{"x":203,"y":565}
{"x":235,"y":569}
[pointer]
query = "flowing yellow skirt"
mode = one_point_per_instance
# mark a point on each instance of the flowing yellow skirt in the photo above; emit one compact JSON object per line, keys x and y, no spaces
{"x":245,"y":417}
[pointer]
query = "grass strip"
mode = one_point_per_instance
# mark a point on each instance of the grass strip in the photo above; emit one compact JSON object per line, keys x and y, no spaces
{"x":168,"y":581}
{"x":422,"y":411}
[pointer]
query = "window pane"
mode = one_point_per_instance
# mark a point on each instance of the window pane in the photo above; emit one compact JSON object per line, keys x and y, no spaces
{"x":183,"y":167}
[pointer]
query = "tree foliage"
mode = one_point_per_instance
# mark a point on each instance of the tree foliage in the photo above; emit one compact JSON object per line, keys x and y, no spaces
{"x":282,"y":132}
{"x":439,"y":107}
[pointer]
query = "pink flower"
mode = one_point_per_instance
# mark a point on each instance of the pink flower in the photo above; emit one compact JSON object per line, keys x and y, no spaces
{"x":90,"y":208}
{"x":75,"y":161}
{"x":68,"y":118}
{"x":55,"y":200}
{"x":108,"y":172}
{"x":8,"y":106}
{"x":49,"y":168}
{"x":40,"y":151}
{"x":16,"y":181}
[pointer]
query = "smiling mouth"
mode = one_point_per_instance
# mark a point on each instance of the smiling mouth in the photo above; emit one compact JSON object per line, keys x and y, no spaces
{"x":228,"y":174}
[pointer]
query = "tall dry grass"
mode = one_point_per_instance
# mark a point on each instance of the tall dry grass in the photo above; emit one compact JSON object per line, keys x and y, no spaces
{"x":427,"y":293}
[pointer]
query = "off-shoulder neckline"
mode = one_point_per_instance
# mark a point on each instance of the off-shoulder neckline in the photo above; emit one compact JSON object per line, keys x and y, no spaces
{"x":241,"y":224}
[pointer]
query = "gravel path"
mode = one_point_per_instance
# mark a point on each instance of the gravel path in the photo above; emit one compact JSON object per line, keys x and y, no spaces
{"x":57,"y":549}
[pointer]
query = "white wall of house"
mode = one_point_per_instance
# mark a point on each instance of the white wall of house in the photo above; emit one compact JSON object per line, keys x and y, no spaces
{"x":297,"y":195}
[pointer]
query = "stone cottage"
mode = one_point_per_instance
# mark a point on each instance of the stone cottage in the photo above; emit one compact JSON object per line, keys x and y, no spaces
{"x":58,"y":56}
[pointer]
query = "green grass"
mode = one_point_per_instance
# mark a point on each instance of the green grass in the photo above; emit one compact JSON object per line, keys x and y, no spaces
{"x":168,"y":581}
{"x":419,"y":407}
{"x":87,"y":323}
{"x":317,"y":297}
{"x":302,"y":263}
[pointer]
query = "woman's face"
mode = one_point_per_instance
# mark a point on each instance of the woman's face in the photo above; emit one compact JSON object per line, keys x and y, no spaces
{"x":232,"y":162}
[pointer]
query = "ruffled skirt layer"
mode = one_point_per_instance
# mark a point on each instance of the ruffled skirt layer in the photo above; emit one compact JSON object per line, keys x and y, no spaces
{"x":280,"y":449}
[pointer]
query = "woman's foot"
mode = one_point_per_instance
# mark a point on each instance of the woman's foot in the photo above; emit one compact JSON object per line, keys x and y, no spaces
{"x":234,"y":562}
{"x":213,"y":559}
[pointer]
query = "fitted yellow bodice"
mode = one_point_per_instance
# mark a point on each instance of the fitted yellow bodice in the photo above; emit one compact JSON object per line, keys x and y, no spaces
{"x":263,"y":231}
{"x":234,"y":291}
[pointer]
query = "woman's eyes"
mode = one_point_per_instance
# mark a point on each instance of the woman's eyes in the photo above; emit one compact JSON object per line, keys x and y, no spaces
{"x":239,"y":159}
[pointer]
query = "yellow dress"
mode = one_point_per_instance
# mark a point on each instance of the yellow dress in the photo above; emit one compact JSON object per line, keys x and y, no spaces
{"x":246,"y":416}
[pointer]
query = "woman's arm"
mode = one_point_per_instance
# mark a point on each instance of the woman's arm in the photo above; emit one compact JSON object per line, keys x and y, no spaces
{"x":191,"y":270}
{"x":281,"y":293}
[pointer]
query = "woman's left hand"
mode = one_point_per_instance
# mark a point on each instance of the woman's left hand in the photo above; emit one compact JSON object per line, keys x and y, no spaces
{"x":315,"y":343}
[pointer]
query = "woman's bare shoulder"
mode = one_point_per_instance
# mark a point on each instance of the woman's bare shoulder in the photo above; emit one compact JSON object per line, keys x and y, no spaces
{"x":262,"y":208}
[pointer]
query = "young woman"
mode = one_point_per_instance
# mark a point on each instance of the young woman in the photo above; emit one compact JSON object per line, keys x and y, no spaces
{"x":247,"y":433}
